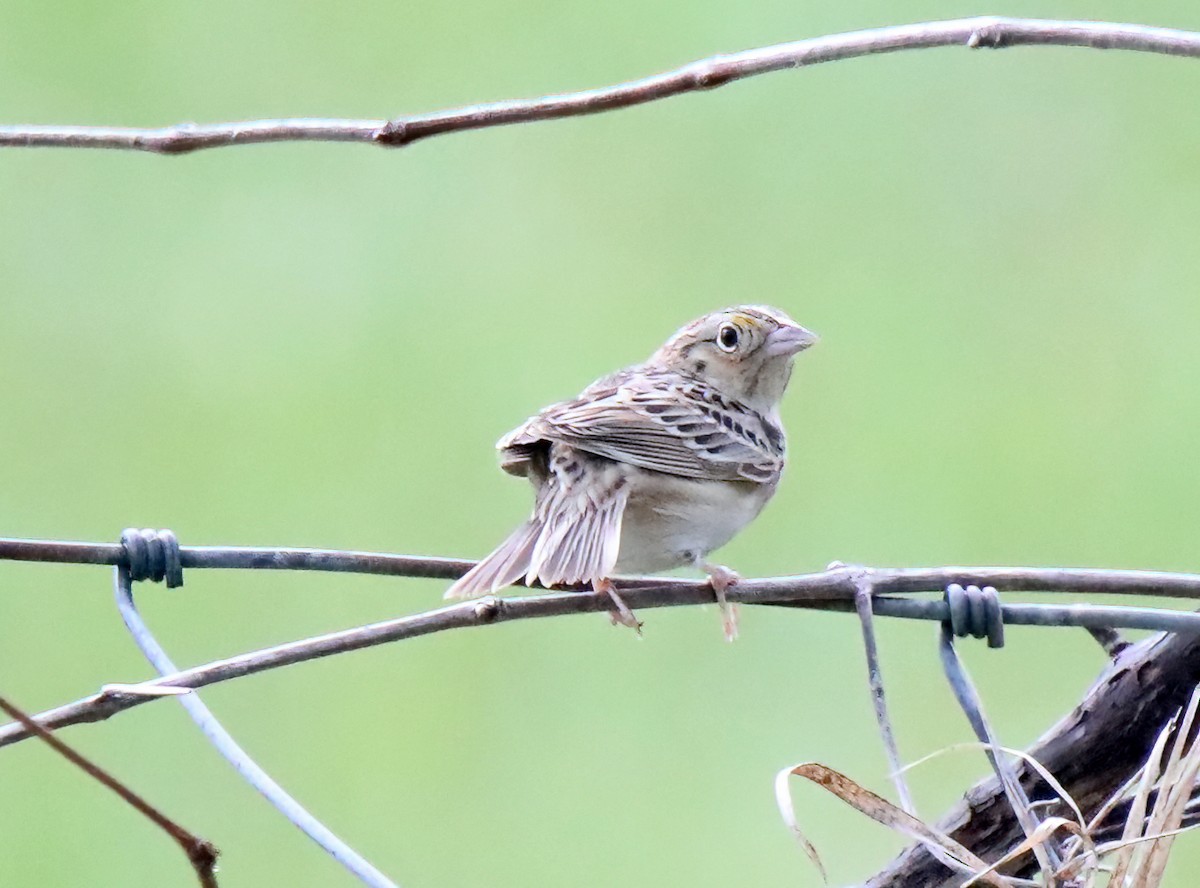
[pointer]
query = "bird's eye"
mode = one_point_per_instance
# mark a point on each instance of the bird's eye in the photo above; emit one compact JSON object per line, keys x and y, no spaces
{"x":727,"y":337}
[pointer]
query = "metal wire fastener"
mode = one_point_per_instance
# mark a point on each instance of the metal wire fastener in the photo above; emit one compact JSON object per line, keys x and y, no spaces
{"x":152,"y":555}
{"x":975,"y":611}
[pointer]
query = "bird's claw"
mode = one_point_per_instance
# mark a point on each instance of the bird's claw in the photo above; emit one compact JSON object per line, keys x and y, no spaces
{"x":621,"y":613}
{"x":721,"y":578}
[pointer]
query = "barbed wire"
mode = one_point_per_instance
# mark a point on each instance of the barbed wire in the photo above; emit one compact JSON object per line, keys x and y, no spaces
{"x":832,"y":590}
{"x":970,"y":605}
{"x":163,"y":546}
{"x":982,"y":32}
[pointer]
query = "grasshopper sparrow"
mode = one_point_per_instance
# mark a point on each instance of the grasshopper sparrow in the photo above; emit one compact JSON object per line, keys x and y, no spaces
{"x":655,"y":466}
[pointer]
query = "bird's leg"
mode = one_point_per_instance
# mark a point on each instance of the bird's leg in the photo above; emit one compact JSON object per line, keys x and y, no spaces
{"x":621,"y":613}
{"x":721,"y":578}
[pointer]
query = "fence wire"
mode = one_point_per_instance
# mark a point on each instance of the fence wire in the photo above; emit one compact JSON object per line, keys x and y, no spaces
{"x":969,"y":606}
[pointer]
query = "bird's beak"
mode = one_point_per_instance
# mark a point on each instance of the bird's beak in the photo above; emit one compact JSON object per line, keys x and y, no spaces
{"x":789,"y":339}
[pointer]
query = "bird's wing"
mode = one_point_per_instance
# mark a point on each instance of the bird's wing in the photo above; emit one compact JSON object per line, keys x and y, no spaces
{"x":659,"y":421}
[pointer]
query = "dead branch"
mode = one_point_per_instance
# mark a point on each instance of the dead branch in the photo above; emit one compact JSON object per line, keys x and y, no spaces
{"x":984,"y":32}
{"x":201,"y":853}
{"x":831,"y":589}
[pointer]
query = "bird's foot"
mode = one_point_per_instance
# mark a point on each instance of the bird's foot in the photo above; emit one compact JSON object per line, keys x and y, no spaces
{"x":621,"y":612}
{"x":721,"y":578}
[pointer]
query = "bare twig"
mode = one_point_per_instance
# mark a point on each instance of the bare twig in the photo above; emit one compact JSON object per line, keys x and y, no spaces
{"x":1111,"y":640}
{"x":831,"y":589}
{"x":201,"y":854}
{"x":981,"y":32}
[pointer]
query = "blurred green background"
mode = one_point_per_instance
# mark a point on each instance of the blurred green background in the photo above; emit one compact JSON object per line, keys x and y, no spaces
{"x":318,"y":345}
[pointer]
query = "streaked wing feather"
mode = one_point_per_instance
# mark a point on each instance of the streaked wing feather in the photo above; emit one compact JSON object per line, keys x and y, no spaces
{"x":662,"y":422}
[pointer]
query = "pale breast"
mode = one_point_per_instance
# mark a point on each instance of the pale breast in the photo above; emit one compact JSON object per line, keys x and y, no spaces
{"x":670,"y":522}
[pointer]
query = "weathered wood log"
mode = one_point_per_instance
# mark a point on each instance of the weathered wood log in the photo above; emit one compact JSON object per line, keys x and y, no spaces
{"x":1092,"y":752}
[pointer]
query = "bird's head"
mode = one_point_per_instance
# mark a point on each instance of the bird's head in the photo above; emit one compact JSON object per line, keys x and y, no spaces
{"x":744,"y":352}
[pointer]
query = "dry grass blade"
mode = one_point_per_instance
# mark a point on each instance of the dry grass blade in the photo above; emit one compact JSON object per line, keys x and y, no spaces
{"x":881,"y":811}
{"x":1084,"y":849}
{"x":1125,"y":791}
{"x":1179,"y":747}
{"x":1175,"y":789}
{"x":787,"y":810}
{"x":1136,"y":821}
{"x":1045,"y":830}
{"x":1050,"y":779}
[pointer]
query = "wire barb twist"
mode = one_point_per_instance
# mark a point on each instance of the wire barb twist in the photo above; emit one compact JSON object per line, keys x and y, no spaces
{"x":152,"y":555}
{"x":975,"y":611}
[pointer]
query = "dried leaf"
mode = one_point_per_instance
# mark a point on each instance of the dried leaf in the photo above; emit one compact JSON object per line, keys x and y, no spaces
{"x":881,"y":811}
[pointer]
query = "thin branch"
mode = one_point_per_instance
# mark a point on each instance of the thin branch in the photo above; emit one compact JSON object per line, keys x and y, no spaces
{"x":201,"y":854}
{"x":981,"y":32}
{"x":831,"y":589}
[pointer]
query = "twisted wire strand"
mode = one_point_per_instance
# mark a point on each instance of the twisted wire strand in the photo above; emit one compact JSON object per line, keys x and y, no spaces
{"x":250,"y":771}
{"x":977,"y":613}
{"x":828,"y":589}
{"x":970,"y":606}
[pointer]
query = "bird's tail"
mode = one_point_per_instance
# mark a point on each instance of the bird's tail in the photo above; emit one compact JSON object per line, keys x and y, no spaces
{"x":509,"y":563}
{"x":572,"y":538}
